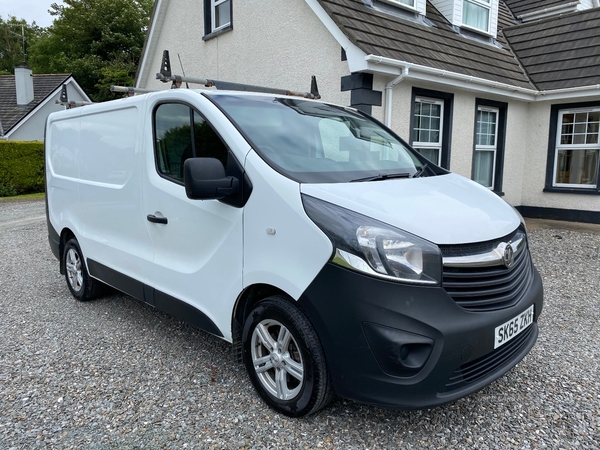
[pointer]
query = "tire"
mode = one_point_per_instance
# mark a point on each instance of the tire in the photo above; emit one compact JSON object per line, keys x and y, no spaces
{"x":82,"y":286}
{"x":284,"y":358}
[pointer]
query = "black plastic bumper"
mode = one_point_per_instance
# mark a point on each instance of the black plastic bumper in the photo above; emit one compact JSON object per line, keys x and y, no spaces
{"x":410,"y":347}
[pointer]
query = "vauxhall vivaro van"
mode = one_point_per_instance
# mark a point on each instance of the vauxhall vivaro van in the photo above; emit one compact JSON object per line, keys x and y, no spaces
{"x":335,"y":259}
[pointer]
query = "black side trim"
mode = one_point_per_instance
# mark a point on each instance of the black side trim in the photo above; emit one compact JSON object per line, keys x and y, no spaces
{"x":164,"y":302}
{"x":53,"y":238}
{"x":116,"y":279}
{"x":185,"y":312}
{"x":570,"y":215}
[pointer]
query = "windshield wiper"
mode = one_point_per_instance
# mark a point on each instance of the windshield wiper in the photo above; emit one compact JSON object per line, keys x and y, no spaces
{"x":383,"y":176}
{"x":421,"y":171}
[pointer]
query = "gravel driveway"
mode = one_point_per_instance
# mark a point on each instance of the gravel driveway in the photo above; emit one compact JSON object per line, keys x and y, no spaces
{"x":114,"y":373}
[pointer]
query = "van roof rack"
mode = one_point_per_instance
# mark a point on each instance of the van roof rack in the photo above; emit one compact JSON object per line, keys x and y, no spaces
{"x":165,"y":76}
{"x":129,"y":90}
{"x":64,"y":100}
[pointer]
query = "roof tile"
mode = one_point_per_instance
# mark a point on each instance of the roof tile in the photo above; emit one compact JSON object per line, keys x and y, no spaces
{"x":438,"y":46}
{"x":559,"y":52}
{"x":10,"y":113}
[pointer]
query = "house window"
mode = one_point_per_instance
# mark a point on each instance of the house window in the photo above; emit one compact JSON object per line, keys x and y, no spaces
{"x":431,"y":125}
{"x":486,"y":142}
{"x":428,"y":128}
{"x":476,"y":14}
{"x":217,"y":16}
{"x":488,"y":148}
{"x":577,"y":149}
{"x":221,"y":10}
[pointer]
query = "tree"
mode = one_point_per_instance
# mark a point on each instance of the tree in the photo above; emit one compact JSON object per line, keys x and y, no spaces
{"x":98,"y":41}
{"x":16,"y":36}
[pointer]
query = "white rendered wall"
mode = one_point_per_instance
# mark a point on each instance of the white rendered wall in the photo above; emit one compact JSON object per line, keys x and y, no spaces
{"x":273,"y":43}
{"x":463,"y":129}
{"x":33,"y":128}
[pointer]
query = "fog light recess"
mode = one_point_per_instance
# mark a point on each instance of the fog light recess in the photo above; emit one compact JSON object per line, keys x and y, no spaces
{"x":398,"y":353}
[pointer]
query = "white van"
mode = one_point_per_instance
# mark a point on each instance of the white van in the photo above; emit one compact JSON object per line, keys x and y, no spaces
{"x":335,"y":259}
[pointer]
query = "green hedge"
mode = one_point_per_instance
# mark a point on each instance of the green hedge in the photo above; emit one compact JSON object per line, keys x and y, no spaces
{"x":21,"y":167}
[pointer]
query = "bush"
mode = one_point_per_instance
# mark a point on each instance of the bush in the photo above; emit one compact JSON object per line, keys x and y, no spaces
{"x":21,"y":168}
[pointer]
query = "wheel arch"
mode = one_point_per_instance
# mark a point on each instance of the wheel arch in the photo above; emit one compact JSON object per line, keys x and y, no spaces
{"x":247,"y":300}
{"x":65,"y":235}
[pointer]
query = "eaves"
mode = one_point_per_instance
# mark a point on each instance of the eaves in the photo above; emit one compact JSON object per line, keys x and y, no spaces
{"x":359,"y":61}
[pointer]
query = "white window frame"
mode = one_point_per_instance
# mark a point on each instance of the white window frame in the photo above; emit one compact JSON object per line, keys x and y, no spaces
{"x":431,"y":145}
{"x":575,"y":147}
{"x":402,"y":4}
{"x":489,"y":148}
{"x":213,"y":14}
{"x":487,"y":5}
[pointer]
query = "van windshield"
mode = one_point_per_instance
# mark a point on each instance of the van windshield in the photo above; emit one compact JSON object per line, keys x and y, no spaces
{"x":313,"y":142}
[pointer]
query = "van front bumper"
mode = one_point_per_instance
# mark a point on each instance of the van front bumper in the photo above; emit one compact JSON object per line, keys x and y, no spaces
{"x":411,"y":347}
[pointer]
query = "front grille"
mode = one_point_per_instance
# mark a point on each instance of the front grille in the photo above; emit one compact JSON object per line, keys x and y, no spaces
{"x":489,"y":288}
{"x":481,"y":367}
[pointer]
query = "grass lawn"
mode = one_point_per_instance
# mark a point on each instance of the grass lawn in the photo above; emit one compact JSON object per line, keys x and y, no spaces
{"x":17,"y":198}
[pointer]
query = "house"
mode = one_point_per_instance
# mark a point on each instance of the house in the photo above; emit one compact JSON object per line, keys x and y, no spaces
{"x":26,"y":100}
{"x":505,"y":92}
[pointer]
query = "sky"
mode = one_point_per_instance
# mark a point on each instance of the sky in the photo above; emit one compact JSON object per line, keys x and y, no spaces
{"x":29,"y":10}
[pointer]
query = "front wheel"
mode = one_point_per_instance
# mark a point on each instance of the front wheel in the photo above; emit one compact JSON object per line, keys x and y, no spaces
{"x":284,"y":358}
{"x":82,"y":286}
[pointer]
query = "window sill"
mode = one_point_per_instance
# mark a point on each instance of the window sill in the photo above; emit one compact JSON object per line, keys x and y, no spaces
{"x":479,"y":31}
{"x":209,"y":36}
{"x":557,"y":190}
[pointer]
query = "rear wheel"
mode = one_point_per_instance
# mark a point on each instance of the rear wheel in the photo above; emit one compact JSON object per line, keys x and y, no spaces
{"x":284,"y":358}
{"x":82,"y":286}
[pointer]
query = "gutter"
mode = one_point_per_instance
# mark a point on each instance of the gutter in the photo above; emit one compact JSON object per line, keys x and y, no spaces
{"x":447,"y":74}
{"x":479,"y":84}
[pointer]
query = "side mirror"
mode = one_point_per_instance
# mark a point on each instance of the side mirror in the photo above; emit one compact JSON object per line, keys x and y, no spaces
{"x":205,"y":179}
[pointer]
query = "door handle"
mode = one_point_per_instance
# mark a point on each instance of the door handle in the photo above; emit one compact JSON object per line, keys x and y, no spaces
{"x":152,"y":218}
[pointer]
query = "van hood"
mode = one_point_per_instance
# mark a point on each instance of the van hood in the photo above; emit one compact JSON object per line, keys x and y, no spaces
{"x":445,"y":209}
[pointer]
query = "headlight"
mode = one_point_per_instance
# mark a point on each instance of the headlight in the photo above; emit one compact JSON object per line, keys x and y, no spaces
{"x":375,"y":248}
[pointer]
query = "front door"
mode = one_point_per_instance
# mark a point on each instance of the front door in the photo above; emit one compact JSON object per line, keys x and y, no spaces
{"x":197,"y":243}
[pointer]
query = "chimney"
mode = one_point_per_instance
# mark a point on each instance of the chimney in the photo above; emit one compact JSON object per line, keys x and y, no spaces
{"x":24,"y":84}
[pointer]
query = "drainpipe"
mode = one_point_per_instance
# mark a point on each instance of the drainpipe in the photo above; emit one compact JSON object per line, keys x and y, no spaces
{"x":389,"y":88}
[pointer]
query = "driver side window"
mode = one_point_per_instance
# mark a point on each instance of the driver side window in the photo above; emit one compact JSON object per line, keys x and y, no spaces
{"x":181,"y":133}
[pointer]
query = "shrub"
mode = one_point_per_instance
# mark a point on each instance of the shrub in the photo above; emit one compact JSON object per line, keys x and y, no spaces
{"x":21,"y":167}
{"x":7,"y":190}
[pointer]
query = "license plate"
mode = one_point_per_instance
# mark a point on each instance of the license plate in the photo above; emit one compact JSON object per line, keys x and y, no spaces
{"x":509,"y":330}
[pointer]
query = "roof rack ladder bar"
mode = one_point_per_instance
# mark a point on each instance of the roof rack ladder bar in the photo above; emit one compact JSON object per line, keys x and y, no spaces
{"x":165,"y":76}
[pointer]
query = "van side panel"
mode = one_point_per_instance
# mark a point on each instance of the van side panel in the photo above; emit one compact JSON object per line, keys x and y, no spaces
{"x":96,"y":165}
{"x":62,"y":168}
